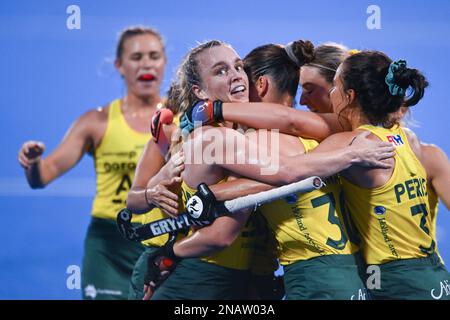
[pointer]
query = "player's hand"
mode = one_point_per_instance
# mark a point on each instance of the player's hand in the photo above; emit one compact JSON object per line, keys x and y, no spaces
{"x":161,"y":117}
{"x":203,"y":207}
{"x":371,"y":153}
{"x":163,"y":198}
{"x":30,"y":153}
{"x":175,"y":165}
{"x":203,"y":112}
{"x":160,"y":264}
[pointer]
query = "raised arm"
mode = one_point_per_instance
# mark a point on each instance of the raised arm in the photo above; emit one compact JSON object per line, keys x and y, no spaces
{"x":81,"y":137}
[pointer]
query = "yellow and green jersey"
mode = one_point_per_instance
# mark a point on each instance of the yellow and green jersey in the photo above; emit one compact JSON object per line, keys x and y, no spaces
{"x":236,"y":256}
{"x":311,"y":224}
{"x":115,"y":161}
{"x":392,"y":219}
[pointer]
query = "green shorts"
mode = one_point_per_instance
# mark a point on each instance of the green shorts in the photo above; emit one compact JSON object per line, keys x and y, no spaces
{"x":413,"y":279}
{"x":331,"y":277}
{"x":136,"y":291}
{"x":108,"y":261}
{"x":194,"y":279}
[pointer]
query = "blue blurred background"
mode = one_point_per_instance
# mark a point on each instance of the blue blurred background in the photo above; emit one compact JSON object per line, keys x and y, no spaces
{"x":51,"y":75}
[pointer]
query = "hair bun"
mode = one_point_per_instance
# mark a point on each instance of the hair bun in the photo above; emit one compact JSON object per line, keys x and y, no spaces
{"x":304,"y":50}
{"x":300,"y":52}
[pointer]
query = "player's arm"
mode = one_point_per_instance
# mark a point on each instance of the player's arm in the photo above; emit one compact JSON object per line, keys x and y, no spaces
{"x":213,"y":238}
{"x":279,"y":170}
{"x":299,"y":123}
{"x":238,"y":188}
{"x":263,"y":115}
{"x":79,"y":139}
{"x":437,"y":167}
{"x":151,"y":182}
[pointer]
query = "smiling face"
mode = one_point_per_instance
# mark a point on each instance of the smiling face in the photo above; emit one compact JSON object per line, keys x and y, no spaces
{"x":142,"y":65}
{"x":222,"y":75}
{"x":315,"y":90}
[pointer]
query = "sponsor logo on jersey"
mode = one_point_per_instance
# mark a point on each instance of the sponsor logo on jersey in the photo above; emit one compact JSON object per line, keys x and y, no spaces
{"x":291,"y":199}
{"x":379,"y":210}
{"x":395,"y":139}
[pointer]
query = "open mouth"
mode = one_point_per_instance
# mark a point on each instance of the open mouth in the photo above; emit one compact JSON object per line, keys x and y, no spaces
{"x":238,"y":89}
{"x":147,"y":77}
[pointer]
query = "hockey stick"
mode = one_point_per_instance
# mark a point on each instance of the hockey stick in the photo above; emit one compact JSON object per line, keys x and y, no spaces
{"x":183,"y":221}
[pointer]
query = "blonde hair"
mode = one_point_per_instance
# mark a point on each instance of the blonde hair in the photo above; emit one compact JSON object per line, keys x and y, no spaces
{"x":188,"y":75}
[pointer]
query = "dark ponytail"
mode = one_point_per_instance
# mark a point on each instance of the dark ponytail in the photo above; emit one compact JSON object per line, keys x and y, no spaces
{"x":411,"y":78}
{"x":379,"y":93}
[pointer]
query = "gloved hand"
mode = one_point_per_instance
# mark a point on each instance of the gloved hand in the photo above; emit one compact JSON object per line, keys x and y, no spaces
{"x":203,"y":206}
{"x":201,"y":113}
{"x":186,"y":125}
{"x":161,"y":116}
{"x":159,"y":266}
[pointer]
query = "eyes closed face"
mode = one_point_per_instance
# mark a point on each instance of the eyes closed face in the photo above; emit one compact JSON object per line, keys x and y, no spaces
{"x":222,"y":75}
{"x":315,"y":90}
{"x":337,"y":95}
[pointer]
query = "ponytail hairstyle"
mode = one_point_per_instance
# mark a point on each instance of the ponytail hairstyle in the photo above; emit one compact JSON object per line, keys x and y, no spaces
{"x":380,"y":85}
{"x":282,"y":64}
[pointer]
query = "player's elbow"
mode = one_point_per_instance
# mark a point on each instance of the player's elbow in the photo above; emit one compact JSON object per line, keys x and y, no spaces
{"x":223,"y":240}
{"x":288,"y":175}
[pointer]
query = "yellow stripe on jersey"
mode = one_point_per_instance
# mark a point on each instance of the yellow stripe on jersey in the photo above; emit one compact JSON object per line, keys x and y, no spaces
{"x":115,"y":162}
{"x":236,"y":256}
{"x":310,"y":224}
{"x":392,"y":219}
